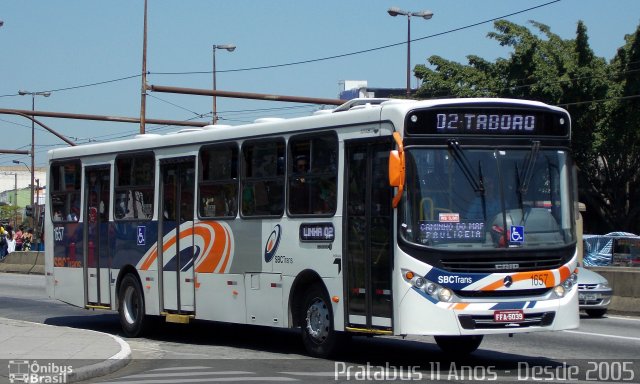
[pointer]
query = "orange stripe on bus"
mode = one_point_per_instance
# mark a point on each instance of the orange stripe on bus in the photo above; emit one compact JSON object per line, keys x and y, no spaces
{"x":549,"y":281}
{"x":150,"y":259}
{"x":215,"y":255}
{"x":226,"y":256}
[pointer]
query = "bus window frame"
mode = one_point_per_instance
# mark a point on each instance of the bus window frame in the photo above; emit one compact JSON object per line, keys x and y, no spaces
{"x":280,"y":176}
{"x":77,"y":191}
{"x":119,"y":189}
{"x":311,"y":173}
{"x":220,"y":182}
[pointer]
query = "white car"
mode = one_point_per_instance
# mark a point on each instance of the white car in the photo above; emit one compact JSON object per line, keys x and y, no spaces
{"x":594,"y":293}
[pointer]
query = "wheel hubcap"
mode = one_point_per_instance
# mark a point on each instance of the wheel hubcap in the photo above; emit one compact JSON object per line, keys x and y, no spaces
{"x":318,"y":321}
{"x":130,"y":305}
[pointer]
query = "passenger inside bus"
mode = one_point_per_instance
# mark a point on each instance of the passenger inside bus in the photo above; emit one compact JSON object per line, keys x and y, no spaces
{"x":299,"y":200}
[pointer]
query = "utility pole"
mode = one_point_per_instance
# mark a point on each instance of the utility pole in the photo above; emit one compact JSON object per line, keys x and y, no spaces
{"x":143,"y":95}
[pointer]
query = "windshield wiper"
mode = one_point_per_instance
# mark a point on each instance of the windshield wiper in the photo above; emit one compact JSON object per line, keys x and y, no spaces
{"x":528,"y":167}
{"x":463,"y":163}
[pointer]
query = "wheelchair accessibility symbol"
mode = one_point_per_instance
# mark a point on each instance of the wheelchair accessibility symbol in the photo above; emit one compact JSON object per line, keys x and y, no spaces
{"x":141,"y":235}
{"x":517,"y":234}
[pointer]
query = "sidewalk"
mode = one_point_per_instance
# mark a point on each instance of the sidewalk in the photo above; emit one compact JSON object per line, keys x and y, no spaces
{"x":71,"y":354}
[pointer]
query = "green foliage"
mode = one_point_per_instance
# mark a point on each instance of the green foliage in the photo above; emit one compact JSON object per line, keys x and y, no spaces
{"x":601,"y":97}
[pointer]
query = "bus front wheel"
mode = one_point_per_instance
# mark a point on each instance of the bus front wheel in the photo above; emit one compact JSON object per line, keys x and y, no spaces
{"x":131,"y":309}
{"x":463,"y":345}
{"x":318,"y":334}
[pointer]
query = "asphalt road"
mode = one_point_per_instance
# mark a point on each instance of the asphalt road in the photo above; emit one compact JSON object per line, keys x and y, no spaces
{"x":605,"y":350}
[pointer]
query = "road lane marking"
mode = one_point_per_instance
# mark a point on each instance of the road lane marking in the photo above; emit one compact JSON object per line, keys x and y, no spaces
{"x":603,"y":335}
{"x":623,"y":318}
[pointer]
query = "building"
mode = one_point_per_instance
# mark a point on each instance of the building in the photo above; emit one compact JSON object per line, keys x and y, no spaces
{"x":353,"y":89}
{"x":15,"y":190}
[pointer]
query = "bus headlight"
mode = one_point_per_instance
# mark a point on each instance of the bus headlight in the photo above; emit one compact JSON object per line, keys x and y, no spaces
{"x":430,"y":288}
{"x":445,"y":294}
{"x":559,"y":290}
{"x":566,"y":286}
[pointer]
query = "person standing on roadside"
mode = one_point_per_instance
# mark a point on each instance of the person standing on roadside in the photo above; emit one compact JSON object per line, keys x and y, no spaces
{"x":18,"y":238}
{"x":27,"y":240}
{"x":11,"y":241}
{"x":3,"y":242}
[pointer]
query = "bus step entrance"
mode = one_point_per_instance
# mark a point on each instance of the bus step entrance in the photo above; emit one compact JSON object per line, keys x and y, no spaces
{"x":177,"y":318}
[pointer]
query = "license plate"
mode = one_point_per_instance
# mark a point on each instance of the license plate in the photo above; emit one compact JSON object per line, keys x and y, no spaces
{"x":509,"y":316}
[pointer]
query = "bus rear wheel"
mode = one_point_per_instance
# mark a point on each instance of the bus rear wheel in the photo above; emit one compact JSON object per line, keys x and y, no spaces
{"x":133,"y":319}
{"x":318,"y":334}
{"x":459,"y":344}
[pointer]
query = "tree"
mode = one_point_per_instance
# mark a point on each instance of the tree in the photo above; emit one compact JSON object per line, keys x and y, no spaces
{"x":547,"y":68}
{"x":614,"y":172}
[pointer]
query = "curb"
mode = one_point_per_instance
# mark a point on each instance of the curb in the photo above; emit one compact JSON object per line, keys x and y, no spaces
{"x":110,"y":365}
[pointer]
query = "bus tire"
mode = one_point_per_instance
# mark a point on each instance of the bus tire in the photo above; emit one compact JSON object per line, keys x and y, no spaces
{"x":133,"y":319}
{"x":463,"y":345}
{"x":318,"y":333}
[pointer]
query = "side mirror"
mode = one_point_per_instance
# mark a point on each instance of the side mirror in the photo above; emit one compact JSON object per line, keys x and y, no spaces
{"x":397,"y":169}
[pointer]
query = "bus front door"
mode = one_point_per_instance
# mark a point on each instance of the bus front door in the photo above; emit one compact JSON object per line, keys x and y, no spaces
{"x":96,"y":234}
{"x":176,"y":227}
{"x":368,"y":224}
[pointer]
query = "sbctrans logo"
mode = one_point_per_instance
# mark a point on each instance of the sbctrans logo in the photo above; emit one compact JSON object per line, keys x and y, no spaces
{"x":26,"y":371}
{"x":273,"y":242}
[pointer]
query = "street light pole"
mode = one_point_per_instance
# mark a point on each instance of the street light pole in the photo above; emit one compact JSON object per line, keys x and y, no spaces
{"x":33,"y":138}
{"x":227,"y":47}
{"x":15,"y":200}
{"x":425,"y":15}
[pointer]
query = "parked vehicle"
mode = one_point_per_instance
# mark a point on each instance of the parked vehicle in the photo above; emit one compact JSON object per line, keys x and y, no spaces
{"x":594,"y":293}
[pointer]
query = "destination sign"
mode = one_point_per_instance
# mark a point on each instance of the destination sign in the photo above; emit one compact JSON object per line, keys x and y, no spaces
{"x":447,"y":232}
{"x":487,"y":121}
{"x":317,"y":232}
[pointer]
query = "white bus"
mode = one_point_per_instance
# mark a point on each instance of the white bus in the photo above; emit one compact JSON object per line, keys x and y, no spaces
{"x":451,"y":218}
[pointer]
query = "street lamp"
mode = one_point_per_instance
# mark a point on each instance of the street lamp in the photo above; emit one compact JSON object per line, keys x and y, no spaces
{"x":33,"y":137}
{"x":227,"y":47}
{"x":425,"y":15}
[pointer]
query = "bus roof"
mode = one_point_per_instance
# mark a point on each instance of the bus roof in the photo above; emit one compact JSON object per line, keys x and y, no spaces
{"x":356,"y":111}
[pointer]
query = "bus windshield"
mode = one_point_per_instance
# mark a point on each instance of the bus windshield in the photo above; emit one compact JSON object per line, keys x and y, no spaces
{"x":487,"y":198}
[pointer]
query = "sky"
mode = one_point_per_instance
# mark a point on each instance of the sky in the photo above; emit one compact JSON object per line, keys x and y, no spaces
{"x":88,"y":53}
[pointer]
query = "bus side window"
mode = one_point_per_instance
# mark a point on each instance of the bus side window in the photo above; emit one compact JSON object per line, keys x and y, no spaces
{"x":263,"y":178}
{"x":134,"y":187}
{"x":65,"y":194}
{"x":312,"y":174}
{"x":218,"y":181}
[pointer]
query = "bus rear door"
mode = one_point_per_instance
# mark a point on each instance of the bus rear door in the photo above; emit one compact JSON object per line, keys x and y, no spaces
{"x":176,"y":223}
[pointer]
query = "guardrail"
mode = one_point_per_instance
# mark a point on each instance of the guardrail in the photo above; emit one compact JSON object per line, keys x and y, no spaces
{"x":625,"y":283}
{"x":31,"y":262}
